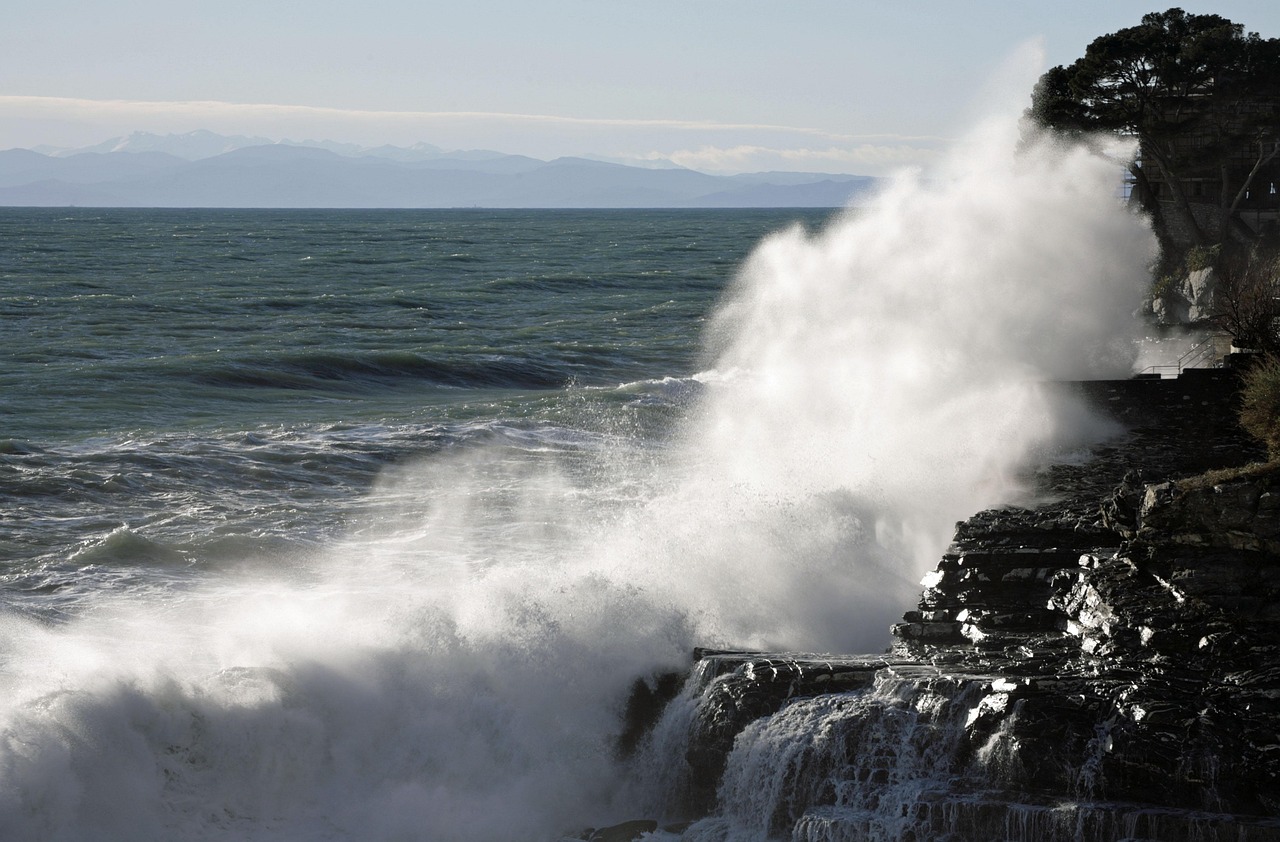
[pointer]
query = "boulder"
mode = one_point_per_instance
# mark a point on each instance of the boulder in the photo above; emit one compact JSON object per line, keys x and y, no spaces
{"x":1189,"y":300}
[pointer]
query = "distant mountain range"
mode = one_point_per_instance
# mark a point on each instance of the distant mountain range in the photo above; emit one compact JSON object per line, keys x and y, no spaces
{"x":204,"y":169}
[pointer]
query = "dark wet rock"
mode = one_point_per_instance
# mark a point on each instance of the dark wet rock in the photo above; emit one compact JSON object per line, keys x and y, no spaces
{"x":1242,"y":515}
{"x":1103,"y":666}
{"x":1155,"y":633}
{"x":644,"y":706}
{"x":624,"y":832}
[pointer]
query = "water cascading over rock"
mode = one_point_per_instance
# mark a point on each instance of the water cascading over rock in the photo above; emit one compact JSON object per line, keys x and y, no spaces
{"x":1102,"y":666}
{"x":1064,"y":676}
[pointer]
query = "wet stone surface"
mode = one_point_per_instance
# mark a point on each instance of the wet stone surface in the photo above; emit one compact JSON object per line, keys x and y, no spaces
{"x":1105,"y":665}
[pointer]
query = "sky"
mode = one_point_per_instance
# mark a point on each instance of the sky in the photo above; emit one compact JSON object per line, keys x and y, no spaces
{"x":842,"y":86}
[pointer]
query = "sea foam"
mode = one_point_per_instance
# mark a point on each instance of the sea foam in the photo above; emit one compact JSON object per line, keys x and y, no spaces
{"x":457,"y":667}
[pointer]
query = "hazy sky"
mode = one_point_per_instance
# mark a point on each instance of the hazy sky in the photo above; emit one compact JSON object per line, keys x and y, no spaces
{"x":720,"y":85}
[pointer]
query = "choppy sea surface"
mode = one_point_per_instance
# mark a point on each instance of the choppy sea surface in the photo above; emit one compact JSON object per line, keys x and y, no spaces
{"x":331,"y":525}
{"x":188,"y":387}
{"x":314,"y":524}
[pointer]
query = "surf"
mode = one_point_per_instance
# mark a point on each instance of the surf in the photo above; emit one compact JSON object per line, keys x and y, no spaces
{"x":457,"y":665}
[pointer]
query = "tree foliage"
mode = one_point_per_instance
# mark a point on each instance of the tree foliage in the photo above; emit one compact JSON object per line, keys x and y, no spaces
{"x":1193,"y":90}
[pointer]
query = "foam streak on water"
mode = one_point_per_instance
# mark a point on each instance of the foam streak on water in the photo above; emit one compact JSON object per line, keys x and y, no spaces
{"x":455,"y":667}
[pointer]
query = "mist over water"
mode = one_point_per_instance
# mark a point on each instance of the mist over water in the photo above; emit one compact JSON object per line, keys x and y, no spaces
{"x":891,"y":367}
{"x":456,"y":667}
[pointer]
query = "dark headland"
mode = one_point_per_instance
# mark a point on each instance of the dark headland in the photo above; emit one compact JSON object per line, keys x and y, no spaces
{"x":1103,"y":665}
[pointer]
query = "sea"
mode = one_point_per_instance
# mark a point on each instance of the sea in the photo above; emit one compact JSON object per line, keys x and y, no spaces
{"x":337,"y":525}
{"x":196,"y":386}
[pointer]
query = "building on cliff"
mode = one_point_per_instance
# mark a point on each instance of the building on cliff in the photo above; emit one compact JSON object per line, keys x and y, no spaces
{"x":1215,"y":175}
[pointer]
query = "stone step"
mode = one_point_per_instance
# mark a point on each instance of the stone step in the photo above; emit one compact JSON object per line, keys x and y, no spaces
{"x":928,"y":632}
{"x":1028,"y":595}
{"x":1022,"y":558}
{"x":942,"y":815}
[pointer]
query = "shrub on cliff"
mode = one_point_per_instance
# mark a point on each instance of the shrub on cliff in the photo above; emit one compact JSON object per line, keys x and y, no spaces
{"x":1246,"y":298}
{"x":1260,"y":403}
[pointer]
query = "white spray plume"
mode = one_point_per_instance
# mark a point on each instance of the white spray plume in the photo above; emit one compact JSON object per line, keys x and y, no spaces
{"x":883,"y":378}
{"x":462,"y":676}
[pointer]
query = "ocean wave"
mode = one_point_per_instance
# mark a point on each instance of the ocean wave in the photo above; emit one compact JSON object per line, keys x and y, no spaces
{"x":17,"y":447}
{"x":124,"y":546}
{"x":675,"y":390}
{"x":325,"y":370}
{"x":570,"y":282}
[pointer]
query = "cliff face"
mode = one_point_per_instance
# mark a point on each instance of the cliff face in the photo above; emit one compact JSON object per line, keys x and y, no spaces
{"x":1106,"y":666}
{"x":1144,"y":671}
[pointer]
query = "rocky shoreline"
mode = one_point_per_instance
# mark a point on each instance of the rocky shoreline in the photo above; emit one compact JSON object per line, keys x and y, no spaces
{"x":1102,"y":666}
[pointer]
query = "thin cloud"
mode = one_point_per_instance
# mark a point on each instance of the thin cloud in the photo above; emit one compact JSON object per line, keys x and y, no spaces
{"x":706,"y":145}
{"x":17,"y":105}
{"x":872,"y":158}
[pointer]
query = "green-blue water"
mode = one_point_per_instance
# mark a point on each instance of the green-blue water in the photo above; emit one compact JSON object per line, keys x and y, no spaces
{"x":123,"y":319}
{"x":217,"y":377}
{"x":364,"y":525}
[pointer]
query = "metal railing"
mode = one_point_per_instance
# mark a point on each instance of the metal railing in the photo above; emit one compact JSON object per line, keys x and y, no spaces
{"x":1193,"y":358}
